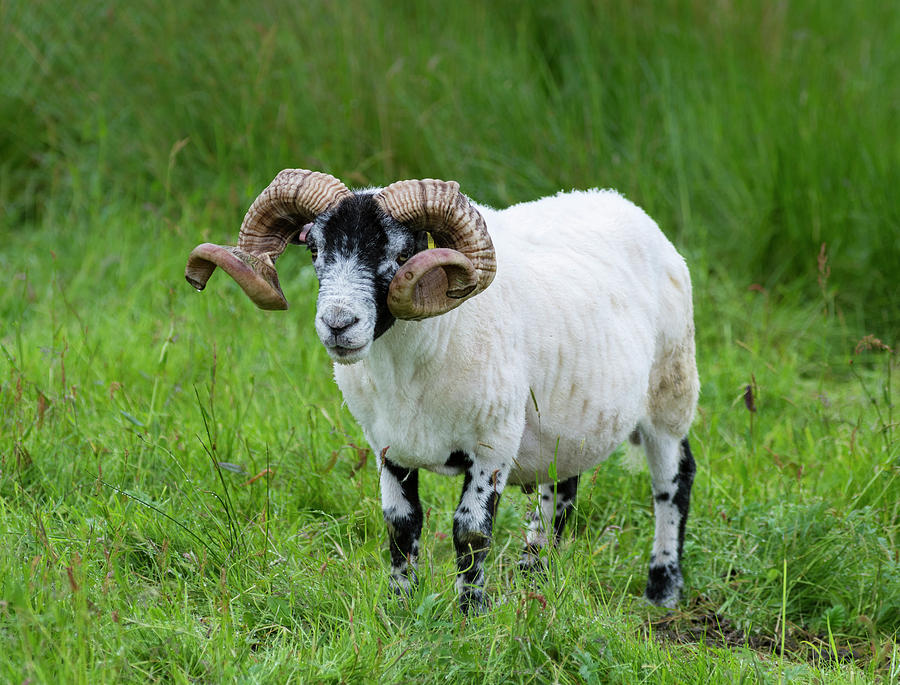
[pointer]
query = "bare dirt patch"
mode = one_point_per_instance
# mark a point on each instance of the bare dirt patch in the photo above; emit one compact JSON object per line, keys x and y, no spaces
{"x":699,"y":623}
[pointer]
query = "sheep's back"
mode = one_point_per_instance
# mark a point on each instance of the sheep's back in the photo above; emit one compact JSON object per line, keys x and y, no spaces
{"x":598,"y":294}
{"x":551,"y":363}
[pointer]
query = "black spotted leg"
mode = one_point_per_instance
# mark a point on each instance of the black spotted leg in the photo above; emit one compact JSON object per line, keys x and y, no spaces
{"x":557,"y":503}
{"x":473,"y":523}
{"x":403,"y":516}
{"x":672,"y":471}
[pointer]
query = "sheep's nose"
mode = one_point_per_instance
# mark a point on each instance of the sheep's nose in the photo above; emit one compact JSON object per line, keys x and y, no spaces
{"x":339,"y":320}
{"x":340,"y":328}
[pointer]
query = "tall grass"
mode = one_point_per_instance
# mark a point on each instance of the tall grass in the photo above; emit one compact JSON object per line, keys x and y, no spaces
{"x":753,"y":132}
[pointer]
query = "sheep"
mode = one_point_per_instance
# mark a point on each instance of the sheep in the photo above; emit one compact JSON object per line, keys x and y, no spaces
{"x":521,"y":348}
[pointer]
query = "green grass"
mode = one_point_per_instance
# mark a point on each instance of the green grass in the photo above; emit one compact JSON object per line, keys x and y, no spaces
{"x":182,"y":494}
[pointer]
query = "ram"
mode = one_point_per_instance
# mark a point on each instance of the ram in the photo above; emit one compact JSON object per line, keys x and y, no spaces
{"x":516,"y":347}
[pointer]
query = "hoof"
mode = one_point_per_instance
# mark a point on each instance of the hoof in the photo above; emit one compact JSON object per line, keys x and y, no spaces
{"x":473,"y":603}
{"x":403,"y":586}
{"x":532,"y":567}
{"x":664,"y":585}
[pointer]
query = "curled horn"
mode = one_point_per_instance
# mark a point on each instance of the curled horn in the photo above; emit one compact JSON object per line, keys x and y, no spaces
{"x":275,"y":218}
{"x":463,"y":263}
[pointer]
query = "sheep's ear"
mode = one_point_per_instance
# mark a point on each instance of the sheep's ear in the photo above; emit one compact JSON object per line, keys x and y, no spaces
{"x":300,"y":238}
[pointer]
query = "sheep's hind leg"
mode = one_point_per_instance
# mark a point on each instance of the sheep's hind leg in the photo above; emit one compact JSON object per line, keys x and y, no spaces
{"x":473,"y":523}
{"x":403,"y":517}
{"x":556,"y":506}
{"x":672,"y":469}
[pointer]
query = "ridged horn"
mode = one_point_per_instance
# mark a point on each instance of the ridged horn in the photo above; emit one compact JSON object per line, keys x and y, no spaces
{"x":463,"y":263}
{"x":276,"y":217}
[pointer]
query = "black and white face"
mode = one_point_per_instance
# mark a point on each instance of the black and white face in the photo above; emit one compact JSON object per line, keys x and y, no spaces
{"x":356,"y":249}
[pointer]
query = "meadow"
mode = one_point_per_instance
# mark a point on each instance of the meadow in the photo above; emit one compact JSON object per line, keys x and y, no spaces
{"x":183,"y":497}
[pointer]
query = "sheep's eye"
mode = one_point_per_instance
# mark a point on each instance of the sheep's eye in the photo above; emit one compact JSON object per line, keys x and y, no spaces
{"x":402,"y":258}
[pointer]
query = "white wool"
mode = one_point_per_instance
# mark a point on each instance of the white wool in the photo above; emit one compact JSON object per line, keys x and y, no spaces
{"x":585,"y":333}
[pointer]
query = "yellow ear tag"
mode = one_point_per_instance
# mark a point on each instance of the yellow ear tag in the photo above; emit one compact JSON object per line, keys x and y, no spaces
{"x":431,"y":244}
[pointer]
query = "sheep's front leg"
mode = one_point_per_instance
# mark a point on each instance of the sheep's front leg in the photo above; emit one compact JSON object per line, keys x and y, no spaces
{"x":672,"y":469}
{"x":472,"y":526}
{"x":556,"y":504}
{"x":403,"y":516}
